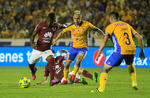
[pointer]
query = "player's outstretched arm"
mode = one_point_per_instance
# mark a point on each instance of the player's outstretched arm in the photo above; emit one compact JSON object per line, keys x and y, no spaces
{"x":44,"y":81}
{"x":63,"y":51}
{"x":102,"y":45}
{"x":32,"y":39}
{"x":98,"y":30}
{"x":140,"y":41}
{"x":58,"y":36}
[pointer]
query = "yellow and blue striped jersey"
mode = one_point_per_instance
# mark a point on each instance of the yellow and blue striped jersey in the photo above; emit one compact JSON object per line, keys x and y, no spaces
{"x":79,"y":34}
{"x":121,"y":34}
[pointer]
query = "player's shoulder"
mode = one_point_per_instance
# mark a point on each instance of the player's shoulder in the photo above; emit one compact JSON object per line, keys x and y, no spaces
{"x":120,"y":23}
{"x":59,"y":57}
{"x":43,"y":23}
{"x":71,"y":25}
{"x":86,"y":22}
{"x":110,"y":26}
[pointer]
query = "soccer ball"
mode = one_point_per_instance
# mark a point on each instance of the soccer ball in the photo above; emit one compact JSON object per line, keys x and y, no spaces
{"x":24,"y":82}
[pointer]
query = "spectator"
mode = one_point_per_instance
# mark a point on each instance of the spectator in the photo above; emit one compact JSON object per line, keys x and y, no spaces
{"x":27,"y":13}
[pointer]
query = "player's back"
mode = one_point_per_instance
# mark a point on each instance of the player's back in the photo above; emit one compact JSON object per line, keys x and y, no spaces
{"x":122,"y":35}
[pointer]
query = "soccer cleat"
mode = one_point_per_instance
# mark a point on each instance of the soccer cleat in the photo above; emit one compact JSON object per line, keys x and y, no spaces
{"x":95,"y":75}
{"x":72,"y":78}
{"x":33,"y":74}
{"x":98,"y":90}
{"x":84,"y":81}
{"x":134,"y":85}
{"x":53,"y":82}
{"x":64,"y":82}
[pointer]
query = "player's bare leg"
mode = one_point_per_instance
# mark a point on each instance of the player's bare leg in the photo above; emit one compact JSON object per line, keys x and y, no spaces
{"x":87,"y":74}
{"x":77,"y":65}
{"x":35,"y":57}
{"x":33,"y":70}
{"x":104,"y":76}
{"x":132,"y":71}
{"x":66,"y":71}
{"x":51,"y":64}
{"x":45,"y":81}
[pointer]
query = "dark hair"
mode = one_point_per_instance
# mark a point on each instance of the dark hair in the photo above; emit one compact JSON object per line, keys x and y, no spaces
{"x":51,"y":16}
{"x":114,"y":14}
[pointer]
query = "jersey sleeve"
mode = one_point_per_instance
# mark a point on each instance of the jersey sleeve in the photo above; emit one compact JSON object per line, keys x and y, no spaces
{"x":60,"y":26}
{"x":109,"y":29}
{"x":38,"y":27}
{"x":67,"y":29}
{"x":91,"y":26}
{"x":132,"y":30}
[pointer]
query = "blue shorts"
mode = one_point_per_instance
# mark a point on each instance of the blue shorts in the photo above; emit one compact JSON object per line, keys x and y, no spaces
{"x":73,"y":52}
{"x":115,"y":59}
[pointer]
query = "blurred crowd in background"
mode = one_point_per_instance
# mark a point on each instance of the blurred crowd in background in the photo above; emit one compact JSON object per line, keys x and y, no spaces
{"x":18,"y":18}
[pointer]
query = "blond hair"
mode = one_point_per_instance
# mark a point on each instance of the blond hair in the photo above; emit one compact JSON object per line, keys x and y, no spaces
{"x":77,"y":12}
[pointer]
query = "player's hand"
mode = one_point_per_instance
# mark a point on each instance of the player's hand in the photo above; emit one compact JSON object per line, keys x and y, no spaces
{"x":63,"y":51}
{"x":53,"y":43}
{"x":38,"y":83}
{"x":42,"y":83}
{"x":33,"y":45}
{"x":142,"y":55}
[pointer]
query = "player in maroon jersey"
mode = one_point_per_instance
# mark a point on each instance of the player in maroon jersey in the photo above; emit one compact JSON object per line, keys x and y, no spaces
{"x":46,"y":31}
{"x":59,"y":68}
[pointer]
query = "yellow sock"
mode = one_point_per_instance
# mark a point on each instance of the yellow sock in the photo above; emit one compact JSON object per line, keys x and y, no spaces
{"x":76,"y":68}
{"x":103,"y":79}
{"x":66,"y":71}
{"x":132,"y":71}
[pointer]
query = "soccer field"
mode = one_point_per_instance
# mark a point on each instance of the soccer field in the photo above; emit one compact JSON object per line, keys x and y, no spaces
{"x":118,"y":85}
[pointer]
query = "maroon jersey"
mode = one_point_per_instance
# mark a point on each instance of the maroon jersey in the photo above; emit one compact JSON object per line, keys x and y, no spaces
{"x":46,"y":35}
{"x":59,"y":67}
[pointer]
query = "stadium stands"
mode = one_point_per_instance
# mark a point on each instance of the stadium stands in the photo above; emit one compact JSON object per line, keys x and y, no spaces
{"x":5,"y":43}
{"x":19,"y":17}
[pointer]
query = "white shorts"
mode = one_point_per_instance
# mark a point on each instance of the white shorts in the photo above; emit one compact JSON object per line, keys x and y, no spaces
{"x":36,"y":55}
{"x":70,"y":74}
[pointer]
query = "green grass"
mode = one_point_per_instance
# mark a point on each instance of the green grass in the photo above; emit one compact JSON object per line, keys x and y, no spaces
{"x":118,"y":85}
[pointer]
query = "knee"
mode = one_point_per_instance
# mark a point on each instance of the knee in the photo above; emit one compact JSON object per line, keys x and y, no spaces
{"x":31,"y":61}
{"x":79,"y":60}
{"x":67,"y":65}
{"x":131,"y":68}
{"x":106,"y":68}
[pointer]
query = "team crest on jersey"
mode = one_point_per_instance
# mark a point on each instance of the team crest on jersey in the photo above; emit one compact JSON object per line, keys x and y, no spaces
{"x":44,"y":27}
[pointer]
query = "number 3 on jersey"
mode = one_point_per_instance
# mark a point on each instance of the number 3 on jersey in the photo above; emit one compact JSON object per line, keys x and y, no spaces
{"x":127,"y":37}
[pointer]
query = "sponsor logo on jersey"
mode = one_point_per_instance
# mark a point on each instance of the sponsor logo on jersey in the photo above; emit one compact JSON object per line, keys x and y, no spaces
{"x":44,"y":27}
